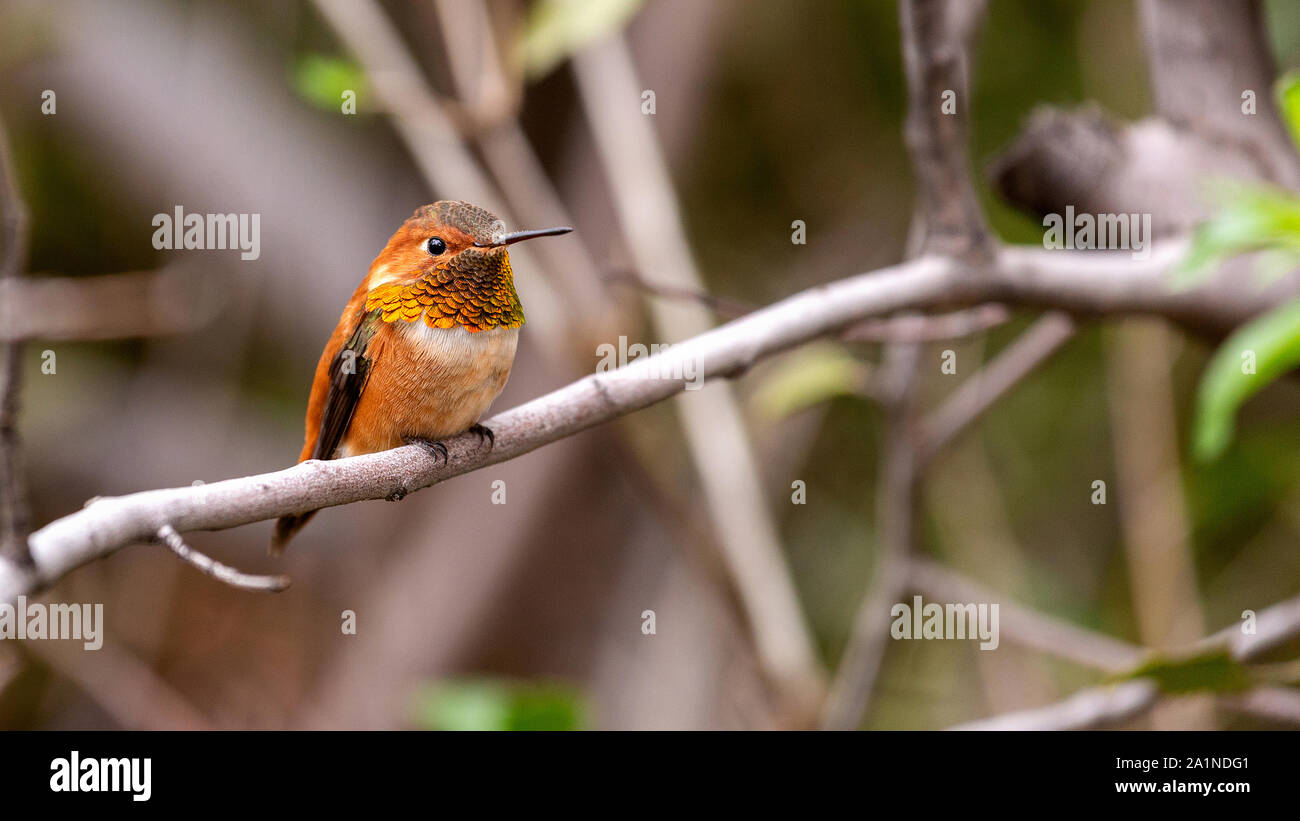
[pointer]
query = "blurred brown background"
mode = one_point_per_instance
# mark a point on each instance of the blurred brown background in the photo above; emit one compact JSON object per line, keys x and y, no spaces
{"x":529,"y":613}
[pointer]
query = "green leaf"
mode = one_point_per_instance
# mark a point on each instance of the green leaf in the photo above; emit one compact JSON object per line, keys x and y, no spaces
{"x":814,"y":374}
{"x":1214,"y":670}
{"x":321,"y":80}
{"x":1274,"y":342}
{"x":491,"y":704}
{"x":1253,"y":217}
{"x":558,"y":28}
{"x":1287,"y":93}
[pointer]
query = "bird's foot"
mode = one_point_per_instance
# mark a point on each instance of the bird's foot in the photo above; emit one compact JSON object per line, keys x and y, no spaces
{"x":483,"y":432}
{"x":435,"y":449}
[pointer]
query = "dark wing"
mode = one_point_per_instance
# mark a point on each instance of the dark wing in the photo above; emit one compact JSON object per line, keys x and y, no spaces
{"x":347,"y":379}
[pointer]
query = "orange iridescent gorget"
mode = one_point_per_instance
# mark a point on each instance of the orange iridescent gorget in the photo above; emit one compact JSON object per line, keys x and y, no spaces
{"x":474,"y":290}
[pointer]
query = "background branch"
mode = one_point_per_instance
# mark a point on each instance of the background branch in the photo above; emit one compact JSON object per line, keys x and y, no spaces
{"x":1091,"y":709}
{"x":979,"y":392}
{"x":743,"y":525}
{"x":111,"y":306}
{"x":936,"y":39}
{"x":13,"y":491}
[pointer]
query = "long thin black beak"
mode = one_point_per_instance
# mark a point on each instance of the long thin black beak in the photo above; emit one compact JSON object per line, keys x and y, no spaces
{"x":520,"y":236}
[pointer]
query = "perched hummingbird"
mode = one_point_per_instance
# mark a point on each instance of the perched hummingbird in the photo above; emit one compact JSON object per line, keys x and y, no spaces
{"x":424,"y":345}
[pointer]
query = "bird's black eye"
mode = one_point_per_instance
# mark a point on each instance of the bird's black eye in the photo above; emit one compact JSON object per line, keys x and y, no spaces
{"x":436,"y":246}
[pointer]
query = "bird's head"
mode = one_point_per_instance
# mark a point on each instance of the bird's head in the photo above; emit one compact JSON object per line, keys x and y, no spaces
{"x":450,"y":236}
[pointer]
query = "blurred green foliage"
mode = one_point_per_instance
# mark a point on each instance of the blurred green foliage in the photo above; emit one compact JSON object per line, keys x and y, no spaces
{"x":1273,"y":343}
{"x":494,"y":704}
{"x":1253,"y":218}
{"x":558,"y":28}
{"x":809,"y":376}
{"x":1213,"y":670}
{"x":322,"y":79}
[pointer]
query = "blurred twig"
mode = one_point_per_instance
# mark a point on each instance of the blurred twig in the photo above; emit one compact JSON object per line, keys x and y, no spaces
{"x":1274,"y":626}
{"x":937,"y":40}
{"x":936,"y":37}
{"x":123,"y":685}
{"x":1106,"y":705}
{"x":415,"y":111}
{"x":1026,"y":626}
{"x":1149,"y":494}
{"x":1271,"y":703}
{"x":145,"y":303}
{"x":907,"y":328}
{"x":1090,"y":709}
{"x":725,"y":307}
{"x":13,"y":493}
{"x":647,"y":208}
{"x":978,"y":392}
{"x":931,"y":327}
{"x":895,"y":517}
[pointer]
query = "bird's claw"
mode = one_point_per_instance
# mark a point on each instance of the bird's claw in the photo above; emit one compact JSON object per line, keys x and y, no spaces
{"x":431,"y":447}
{"x":484,"y":432}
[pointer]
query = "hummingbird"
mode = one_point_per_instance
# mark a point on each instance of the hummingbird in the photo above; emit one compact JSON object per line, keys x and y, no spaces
{"x":424,"y":345}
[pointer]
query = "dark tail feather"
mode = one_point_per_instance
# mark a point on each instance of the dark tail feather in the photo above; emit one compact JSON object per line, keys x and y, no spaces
{"x":285,"y":527}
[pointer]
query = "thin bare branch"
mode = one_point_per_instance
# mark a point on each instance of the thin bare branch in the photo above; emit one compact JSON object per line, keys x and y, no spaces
{"x":855,"y":679}
{"x":13,"y":492}
{"x":1153,"y":517}
{"x":1106,"y":705}
{"x":1028,"y":627}
{"x":1090,"y":709}
{"x":931,"y":327}
{"x":936,"y":35}
{"x":1269,"y":703}
{"x":221,"y":572}
{"x":144,"y":303}
{"x":978,"y":393}
{"x":1274,"y":626}
{"x":725,"y":307}
{"x":908,"y":328}
{"x":126,"y":687}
